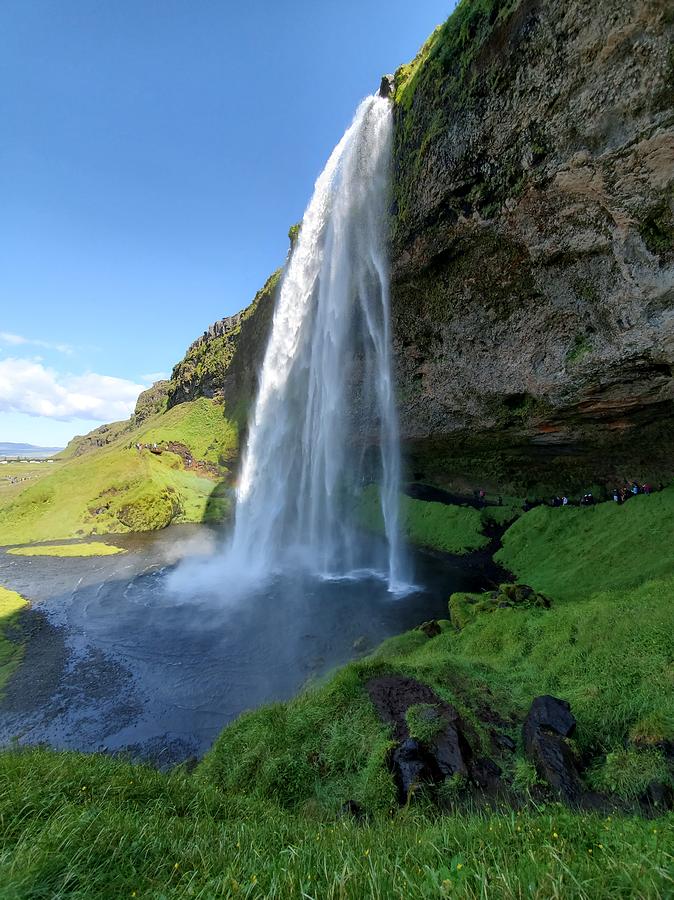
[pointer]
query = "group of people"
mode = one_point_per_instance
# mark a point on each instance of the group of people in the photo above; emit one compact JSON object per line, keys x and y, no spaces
{"x":620,"y":495}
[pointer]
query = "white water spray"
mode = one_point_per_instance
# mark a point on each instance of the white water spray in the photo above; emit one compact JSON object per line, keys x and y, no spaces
{"x":324,"y":422}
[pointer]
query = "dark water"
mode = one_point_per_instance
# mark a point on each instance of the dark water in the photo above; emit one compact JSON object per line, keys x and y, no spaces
{"x":117,"y":660}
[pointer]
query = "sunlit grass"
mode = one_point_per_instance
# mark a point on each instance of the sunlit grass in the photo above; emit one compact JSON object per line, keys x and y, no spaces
{"x":70,"y":550}
{"x":10,"y":652}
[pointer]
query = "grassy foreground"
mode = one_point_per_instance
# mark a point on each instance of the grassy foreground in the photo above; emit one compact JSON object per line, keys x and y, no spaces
{"x":67,"y":550}
{"x":78,"y":829}
{"x":261,"y":815}
{"x":117,"y":488}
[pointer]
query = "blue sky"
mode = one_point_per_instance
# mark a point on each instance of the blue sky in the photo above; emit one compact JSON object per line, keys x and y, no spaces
{"x":153,"y":155}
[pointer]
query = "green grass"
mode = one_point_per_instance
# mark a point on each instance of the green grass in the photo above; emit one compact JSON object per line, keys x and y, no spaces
{"x":571,"y":553}
{"x":452,"y":529}
{"x":11,"y":653}
{"x":79,"y":827}
{"x":69,"y":550}
{"x":115,"y":488}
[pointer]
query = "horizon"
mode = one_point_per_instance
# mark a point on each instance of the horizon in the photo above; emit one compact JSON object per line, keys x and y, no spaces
{"x":142,"y":202}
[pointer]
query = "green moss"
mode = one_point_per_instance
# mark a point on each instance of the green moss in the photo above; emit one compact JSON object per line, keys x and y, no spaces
{"x":580,"y":348}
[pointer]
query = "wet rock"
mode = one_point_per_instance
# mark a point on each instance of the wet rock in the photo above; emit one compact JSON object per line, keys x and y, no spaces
{"x":548,"y":723}
{"x":409,"y":764}
{"x":431,"y":629}
{"x":450,"y":751}
{"x":486,"y":774}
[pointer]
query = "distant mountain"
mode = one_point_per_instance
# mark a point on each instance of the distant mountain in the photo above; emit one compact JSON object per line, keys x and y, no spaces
{"x":9,"y":449}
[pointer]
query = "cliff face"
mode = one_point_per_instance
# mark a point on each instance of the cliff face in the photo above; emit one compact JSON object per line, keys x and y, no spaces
{"x":533,"y":247}
{"x":224,"y":362}
{"x":532,"y":250}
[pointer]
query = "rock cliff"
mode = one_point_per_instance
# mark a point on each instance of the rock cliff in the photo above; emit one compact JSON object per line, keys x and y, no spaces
{"x":532,"y":249}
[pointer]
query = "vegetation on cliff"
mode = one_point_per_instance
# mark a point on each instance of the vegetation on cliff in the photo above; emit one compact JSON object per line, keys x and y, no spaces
{"x":452,"y":529}
{"x":118,"y":488}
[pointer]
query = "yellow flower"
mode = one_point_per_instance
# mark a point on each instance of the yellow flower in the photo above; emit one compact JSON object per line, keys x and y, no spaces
{"x":589,"y":850}
{"x":555,"y":835}
{"x":176,"y":865}
{"x":254,"y":879}
{"x":367,"y":853}
{"x":459,"y":866}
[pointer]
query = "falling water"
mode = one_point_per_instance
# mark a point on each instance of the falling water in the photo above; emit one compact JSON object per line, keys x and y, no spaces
{"x":324,"y":423}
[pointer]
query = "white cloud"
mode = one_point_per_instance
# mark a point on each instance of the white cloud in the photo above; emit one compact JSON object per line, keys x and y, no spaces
{"x":26,"y":386}
{"x":154,"y":376}
{"x":18,"y":340}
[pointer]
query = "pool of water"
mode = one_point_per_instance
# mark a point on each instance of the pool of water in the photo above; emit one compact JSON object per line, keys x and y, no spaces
{"x":118,"y":659}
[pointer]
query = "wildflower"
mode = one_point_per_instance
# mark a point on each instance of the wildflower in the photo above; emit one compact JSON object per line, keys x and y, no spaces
{"x":367,"y":852}
{"x":601,"y":846}
{"x":555,"y":835}
{"x":253,"y":880}
{"x":176,"y":865}
{"x":459,"y":866}
{"x":589,"y":850}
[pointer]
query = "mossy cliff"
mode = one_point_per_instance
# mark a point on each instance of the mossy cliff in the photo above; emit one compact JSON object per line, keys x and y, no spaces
{"x":533,"y":247}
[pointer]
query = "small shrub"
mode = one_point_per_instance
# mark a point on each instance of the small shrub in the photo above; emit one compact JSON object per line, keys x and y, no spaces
{"x":628,"y":773}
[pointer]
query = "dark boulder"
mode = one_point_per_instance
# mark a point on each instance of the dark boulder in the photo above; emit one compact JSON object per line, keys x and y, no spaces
{"x":431,"y":629}
{"x":549,"y":713}
{"x":548,"y":723}
{"x":410,"y":768}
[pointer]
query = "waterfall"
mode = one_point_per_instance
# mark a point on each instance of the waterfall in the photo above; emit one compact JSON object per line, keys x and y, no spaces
{"x":324,"y":423}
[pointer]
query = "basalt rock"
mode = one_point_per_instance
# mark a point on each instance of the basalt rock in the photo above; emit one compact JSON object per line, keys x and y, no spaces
{"x":533,"y":240}
{"x":548,"y":722}
{"x":445,"y":753}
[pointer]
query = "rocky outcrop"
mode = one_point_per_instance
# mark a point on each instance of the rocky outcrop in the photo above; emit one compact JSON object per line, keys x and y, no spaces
{"x":224,"y":362}
{"x":548,"y":725}
{"x":533,"y":241}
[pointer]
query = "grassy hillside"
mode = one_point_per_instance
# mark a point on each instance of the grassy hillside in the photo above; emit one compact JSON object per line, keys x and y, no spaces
{"x":117,"y":488}
{"x":261,"y":815}
{"x":452,"y":529}
{"x":11,"y":604}
{"x":574,"y":552}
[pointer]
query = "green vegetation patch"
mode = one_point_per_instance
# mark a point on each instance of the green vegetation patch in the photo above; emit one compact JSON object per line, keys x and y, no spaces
{"x":452,"y":529}
{"x":81,"y":827}
{"x":117,"y":488}
{"x":69,"y":550}
{"x":11,"y":652}
{"x":570,"y":553}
